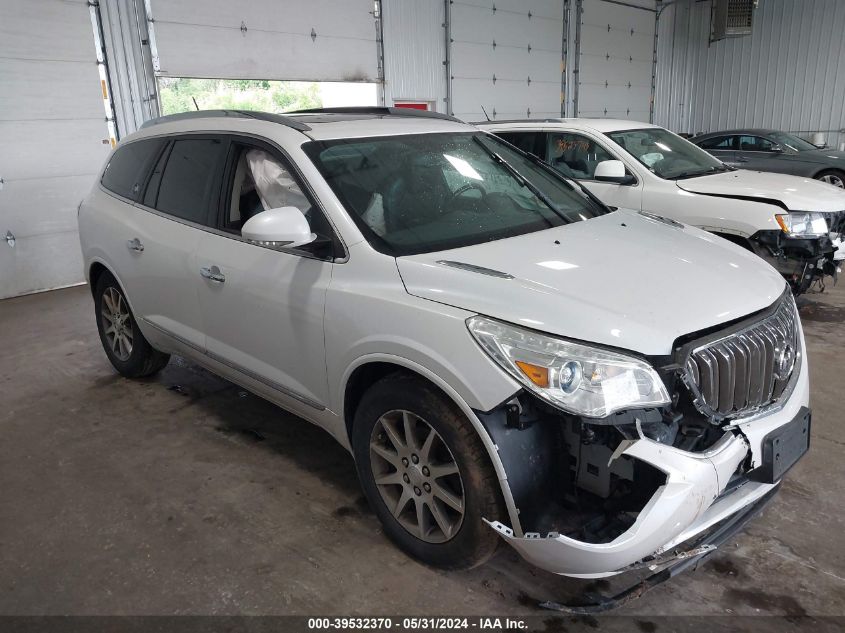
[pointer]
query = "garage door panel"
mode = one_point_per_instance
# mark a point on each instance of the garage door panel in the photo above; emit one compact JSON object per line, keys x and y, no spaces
{"x":31,"y":149}
{"x":259,"y":40}
{"x":50,"y":90}
{"x":508,"y":99}
{"x":43,"y":205}
{"x":599,"y":13}
{"x":25,"y":268}
{"x":615,"y":60}
{"x":52,"y":127}
{"x":595,"y":67}
{"x":474,"y":60}
{"x":61,"y":35}
{"x":346,"y":18}
{"x":480,"y":63}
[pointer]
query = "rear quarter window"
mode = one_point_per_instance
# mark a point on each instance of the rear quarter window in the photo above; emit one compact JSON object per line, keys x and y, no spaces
{"x":186,"y":183}
{"x":124,"y":174}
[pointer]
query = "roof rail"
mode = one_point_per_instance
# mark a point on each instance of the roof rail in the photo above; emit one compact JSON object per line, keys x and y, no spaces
{"x":243,"y":114}
{"x":379,"y":111}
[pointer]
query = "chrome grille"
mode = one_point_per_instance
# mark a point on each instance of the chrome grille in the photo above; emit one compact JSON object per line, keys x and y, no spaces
{"x":747,"y":370}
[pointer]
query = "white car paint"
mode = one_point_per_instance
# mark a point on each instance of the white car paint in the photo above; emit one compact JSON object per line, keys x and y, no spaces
{"x":708,"y":202}
{"x":294,"y":329}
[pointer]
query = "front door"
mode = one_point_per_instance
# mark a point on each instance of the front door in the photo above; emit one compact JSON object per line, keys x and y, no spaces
{"x":263,"y":306}
{"x":577,"y":155}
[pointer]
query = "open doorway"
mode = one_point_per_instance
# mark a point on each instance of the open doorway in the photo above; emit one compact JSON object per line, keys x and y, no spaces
{"x":182,"y":94}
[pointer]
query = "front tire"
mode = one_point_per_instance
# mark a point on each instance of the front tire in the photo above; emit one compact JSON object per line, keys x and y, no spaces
{"x":426,"y":473}
{"x":127,"y":349}
{"x":832,"y":177}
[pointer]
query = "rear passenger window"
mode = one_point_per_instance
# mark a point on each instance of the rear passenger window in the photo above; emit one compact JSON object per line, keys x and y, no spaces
{"x":127,"y":167}
{"x":529,"y":142}
{"x":185,"y":183}
{"x":718,"y":142}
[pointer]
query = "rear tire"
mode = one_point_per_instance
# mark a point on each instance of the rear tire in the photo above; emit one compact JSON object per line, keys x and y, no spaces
{"x":832,"y":177}
{"x":387,"y":411}
{"x":127,"y":349}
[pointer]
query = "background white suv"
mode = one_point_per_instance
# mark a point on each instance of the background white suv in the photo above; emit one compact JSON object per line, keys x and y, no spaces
{"x":502,"y":355}
{"x":794,"y":223}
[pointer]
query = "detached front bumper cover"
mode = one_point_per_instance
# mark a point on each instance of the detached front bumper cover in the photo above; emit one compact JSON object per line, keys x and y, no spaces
{"x":681,"y":508}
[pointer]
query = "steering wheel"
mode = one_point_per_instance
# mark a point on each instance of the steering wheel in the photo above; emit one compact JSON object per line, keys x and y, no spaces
{"x":468,"y":187}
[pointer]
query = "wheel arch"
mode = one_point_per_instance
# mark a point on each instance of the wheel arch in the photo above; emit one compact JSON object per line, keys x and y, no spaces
{"x":369,"y":370}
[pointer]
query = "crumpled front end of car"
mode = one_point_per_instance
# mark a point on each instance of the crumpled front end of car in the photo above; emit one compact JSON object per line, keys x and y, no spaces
{"x":602,"y":496}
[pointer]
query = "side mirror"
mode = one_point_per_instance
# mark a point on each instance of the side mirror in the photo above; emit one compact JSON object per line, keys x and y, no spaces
{"x":612,"y":171}
{"x":777,"y":149}
{"x":285,"y":226}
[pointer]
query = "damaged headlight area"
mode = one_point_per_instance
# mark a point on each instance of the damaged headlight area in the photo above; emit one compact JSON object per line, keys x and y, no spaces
{"x":802,"y":224}
{"x":575,"y":378}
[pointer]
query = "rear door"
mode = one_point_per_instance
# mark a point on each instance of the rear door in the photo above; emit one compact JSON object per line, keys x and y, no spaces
{"x":160,"y":275}
{"x":263,"y":306}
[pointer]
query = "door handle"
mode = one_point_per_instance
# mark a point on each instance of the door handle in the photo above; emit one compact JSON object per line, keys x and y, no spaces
{"x":10,"y":239}
{"x":212,"y":273}
{"x":135,"y":245}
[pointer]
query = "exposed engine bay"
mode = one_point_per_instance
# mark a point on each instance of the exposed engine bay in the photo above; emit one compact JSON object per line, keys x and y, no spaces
{"x":578,"y":484}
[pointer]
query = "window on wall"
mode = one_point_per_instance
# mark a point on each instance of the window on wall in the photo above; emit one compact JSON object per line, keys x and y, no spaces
{"x":185,"y":186}
{"x":574,"y":155}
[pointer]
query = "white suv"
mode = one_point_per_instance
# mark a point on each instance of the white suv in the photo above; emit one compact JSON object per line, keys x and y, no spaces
{"x":503,"y":355}
{"x":793,"y":223}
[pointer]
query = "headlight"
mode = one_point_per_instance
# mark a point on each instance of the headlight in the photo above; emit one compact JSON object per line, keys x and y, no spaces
{"x":802,"y":224}
{"x":576,"y":378}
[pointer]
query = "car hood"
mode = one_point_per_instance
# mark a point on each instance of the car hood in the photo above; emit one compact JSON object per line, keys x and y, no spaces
{"x":795,"y":192}
{"x":621,"y":280}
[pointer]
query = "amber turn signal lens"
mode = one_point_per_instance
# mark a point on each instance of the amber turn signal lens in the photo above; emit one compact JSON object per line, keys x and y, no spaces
{"x":536,"y":374}
{"x":782,"y":222}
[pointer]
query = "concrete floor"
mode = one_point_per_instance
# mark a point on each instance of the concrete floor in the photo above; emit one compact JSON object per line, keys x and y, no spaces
{"x":183,"y":494}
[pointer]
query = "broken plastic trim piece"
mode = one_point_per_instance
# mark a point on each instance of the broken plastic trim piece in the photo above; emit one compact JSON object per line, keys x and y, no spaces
{"x":700,"y":549}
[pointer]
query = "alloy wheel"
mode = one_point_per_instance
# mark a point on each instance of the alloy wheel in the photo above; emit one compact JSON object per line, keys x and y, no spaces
{"x":117,"y":323}
{"x":417,"y":476}
{"x":833,"y":179}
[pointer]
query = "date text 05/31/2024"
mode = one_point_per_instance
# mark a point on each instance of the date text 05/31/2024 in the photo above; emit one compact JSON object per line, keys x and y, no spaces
{"x":418,"y":623}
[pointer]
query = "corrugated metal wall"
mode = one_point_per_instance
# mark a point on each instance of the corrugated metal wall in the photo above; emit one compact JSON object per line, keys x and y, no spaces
{"x":789,"y":74}
{"x":414,"y":51}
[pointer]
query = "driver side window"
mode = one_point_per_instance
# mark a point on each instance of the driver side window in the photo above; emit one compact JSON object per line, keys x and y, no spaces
{"x":258,"y":181}
{"x":574,"y":155}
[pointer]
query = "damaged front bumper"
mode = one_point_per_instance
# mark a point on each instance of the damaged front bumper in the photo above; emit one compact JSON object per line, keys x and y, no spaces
{"x":802,"y":260}
{"x":693,"y":482}
{"x":701,"y":490}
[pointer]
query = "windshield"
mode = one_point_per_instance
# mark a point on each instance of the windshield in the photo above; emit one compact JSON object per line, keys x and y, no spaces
{"x":790,"y":141}
{"x":667,"y":155}
{"x":429,"y":192}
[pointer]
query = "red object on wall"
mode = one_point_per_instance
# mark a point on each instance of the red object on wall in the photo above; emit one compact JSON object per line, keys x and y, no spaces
{"x":412,"y":105}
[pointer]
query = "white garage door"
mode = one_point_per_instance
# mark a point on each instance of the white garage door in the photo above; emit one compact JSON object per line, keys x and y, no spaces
{"x":310,"y":40}
{"x":506,"y":56}
{"x":52,"y":134}
{"x":616,"y":60}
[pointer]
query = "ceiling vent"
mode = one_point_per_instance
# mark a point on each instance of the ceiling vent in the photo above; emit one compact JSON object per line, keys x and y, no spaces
{"x":731,"y":18}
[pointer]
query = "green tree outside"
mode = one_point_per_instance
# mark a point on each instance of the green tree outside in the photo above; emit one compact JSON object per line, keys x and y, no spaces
{"x":178,"y":93}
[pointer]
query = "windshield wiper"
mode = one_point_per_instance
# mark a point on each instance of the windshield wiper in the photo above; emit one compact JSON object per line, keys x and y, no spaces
{"x":522,"y":180}
{"x":692,"y":174}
